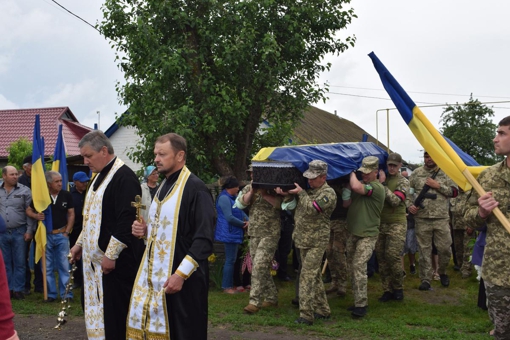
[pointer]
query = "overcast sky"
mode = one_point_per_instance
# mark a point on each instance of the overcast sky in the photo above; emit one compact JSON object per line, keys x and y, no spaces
{"x":439,"y":51}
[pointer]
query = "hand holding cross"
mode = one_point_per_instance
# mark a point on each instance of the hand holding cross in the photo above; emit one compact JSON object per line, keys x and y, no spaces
{"x":138,"y":205}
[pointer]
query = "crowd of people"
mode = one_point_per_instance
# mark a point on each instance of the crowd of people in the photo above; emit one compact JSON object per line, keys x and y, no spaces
{"x":143,"y":249}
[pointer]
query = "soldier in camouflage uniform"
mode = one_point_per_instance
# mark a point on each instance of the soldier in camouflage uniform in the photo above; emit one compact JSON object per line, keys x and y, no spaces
{"x":462,"y":234}
{"x":393,"y":229}
{"x":363,"y":219}
{"x":264,"y":233}
{"x":311,"y":235}
{"x":431,"y":221}
{"x":496,"y":259}
{"x":335,"y":253}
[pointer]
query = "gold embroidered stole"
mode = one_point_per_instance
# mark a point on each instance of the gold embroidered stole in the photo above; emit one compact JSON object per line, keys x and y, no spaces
{"x":148,"y":318}
{"x":92,"y":254}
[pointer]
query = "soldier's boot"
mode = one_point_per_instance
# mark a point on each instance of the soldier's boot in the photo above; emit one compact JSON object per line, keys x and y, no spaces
{"x":445,"y":281}
{"x":387,"y":296}
{"x":251,"y":309}
{"x":398,"y":294}
{"x":424,"y":286}
{"x":266,"y":304}
{"x":333,"y":288}
{"x":359,"y":312}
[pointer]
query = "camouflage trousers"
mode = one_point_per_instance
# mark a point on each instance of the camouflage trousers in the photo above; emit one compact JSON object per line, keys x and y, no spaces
{"x":435,"y":230}
{"x":462,"y":251}
{"x":390,"y":242}
{"x":359,"y":251}
{"x":312,"y":296}
{"x":499,"y":310}
{"x":335,"y":253}
{"x":262,"y":251}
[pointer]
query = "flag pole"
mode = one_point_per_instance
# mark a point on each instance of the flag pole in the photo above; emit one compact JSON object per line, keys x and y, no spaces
{"x":43,"y":269}
{"x":497,"y":212}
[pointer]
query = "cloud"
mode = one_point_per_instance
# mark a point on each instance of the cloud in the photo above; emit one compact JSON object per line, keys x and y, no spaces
{"x":6,"y":104}
{"x":69,"y":94}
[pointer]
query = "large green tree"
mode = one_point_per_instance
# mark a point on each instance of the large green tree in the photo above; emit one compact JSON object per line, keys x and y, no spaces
{"x":470,"y":126}
{"x":213,"y":70}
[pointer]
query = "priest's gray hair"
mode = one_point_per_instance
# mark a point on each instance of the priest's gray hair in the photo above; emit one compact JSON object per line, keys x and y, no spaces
{"x":51,"y":175}
{"x":96,"y":140}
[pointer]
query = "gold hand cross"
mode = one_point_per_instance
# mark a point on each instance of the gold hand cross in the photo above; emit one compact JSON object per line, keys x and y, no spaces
{"x":138,"y":205}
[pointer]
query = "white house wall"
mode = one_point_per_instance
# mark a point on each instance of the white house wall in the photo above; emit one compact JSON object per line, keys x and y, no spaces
{"x":123,"y":140}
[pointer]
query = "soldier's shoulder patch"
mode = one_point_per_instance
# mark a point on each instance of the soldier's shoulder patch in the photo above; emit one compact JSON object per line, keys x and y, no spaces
{"x":321,"y":203}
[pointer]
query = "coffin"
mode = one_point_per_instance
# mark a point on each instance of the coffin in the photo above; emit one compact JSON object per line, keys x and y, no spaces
{"x":284,"y":166}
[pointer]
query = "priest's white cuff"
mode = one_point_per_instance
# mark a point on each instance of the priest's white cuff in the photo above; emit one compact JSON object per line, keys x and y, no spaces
{"x":114,"y":249}
{"x":187,"y":267}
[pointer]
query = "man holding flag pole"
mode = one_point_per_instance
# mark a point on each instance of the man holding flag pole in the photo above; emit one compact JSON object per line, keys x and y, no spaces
{"x":496,"y":258}
{"x":41,"y":200}
{"x":62,"y":213}
{"x":484,"y":206}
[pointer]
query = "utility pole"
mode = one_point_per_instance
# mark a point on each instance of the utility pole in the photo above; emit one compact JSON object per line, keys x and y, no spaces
{"x":98,"y":120}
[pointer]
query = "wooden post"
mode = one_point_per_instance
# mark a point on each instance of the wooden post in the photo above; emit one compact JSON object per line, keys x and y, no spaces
{"x":43,"y":269}
{"x":324,"y":267}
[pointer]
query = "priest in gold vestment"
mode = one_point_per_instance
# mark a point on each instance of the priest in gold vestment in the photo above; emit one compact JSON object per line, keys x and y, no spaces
{"x":111,"y":254}
{"x":169,"y":299}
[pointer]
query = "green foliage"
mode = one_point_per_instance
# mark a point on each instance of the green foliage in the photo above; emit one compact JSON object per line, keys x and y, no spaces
{"x":213,"y":70}
{"x":470,"y":126}
{"x":18,"y":150}
{"x":216,"y":272}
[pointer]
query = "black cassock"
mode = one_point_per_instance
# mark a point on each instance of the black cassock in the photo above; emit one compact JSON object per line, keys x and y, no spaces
{"x":187,"y":309}
{"x":117,"y":218}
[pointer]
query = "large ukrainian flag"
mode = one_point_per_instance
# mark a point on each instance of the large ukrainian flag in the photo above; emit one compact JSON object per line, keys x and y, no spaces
{"x":40,"y":193}
{"x":59,"y":159}
{"x":444,"y":152}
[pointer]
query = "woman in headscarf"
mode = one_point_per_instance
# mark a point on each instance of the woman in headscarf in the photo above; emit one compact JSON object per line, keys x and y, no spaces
{"x":149,"y":188}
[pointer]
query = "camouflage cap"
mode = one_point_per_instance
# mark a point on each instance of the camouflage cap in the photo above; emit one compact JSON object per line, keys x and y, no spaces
{"x":394,"y":158}
{"x":315,"y":169}
{"x":369,"y":164}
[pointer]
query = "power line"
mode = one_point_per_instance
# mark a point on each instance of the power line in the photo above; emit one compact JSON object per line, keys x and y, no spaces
{"x":433,"y":104}
{"x":75,"y":15}
{"x":369,"y":97}
{"x":433,"y":93}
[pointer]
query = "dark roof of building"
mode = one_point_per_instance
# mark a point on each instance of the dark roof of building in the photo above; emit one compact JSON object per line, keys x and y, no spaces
{"x":318,"y":126}
{"x":20,"y":123}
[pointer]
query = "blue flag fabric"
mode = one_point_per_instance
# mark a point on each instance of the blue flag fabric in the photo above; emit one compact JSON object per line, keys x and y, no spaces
{"x":59,"y":159}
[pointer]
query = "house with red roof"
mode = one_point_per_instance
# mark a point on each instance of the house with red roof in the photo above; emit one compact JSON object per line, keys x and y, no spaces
{"x":20,"y":123}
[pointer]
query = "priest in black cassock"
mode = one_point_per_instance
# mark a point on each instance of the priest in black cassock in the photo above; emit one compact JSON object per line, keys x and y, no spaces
{"x":169,"y":299}
{"x":111,"y":254}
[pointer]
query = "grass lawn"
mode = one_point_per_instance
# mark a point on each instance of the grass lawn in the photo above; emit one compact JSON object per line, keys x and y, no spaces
{"x":442,"y":313}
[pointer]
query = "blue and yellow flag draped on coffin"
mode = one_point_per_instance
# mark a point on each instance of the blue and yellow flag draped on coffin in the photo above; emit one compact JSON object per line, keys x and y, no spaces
{"x":450,"y":158}
{"x":342,"y":158}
